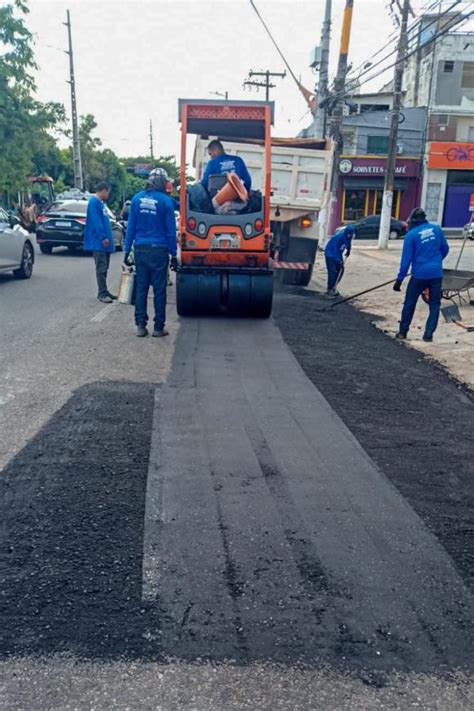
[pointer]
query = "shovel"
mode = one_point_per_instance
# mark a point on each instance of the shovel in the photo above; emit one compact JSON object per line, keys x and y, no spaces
{"x":452,"y":314}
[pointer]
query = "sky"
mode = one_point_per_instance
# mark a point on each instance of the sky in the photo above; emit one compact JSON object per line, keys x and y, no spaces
{"x":134,"y":59}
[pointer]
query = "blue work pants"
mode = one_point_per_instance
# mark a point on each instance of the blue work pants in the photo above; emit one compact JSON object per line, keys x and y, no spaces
{"x":151,"y":264}
{"x":414,"y":290}
{"x":334,"y":269}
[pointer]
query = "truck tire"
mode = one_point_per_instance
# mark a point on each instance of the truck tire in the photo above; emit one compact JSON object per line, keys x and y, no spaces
{"x":295,"y":277}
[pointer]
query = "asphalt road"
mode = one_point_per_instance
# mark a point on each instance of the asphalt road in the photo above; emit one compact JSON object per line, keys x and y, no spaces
{"x":188,"y":523}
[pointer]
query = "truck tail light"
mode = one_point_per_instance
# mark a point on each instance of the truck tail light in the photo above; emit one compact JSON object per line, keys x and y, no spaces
{"x":191,"y":223}
{"x":258,"y":225}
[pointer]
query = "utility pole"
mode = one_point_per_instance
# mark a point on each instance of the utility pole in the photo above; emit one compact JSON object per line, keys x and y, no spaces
{"x":387,"y":199}
{"x":266,"y":83}
{"x":76,"y":144}
{"x":337,"y":113}
{"x":322,"y":87}
{"x":151,"y":142}
{"x":219,"y":93}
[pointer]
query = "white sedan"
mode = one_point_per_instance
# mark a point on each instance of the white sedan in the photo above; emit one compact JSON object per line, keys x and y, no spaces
{"x":17,"y":253}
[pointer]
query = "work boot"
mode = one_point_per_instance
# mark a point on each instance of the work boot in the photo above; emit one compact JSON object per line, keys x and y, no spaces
{"x":427,"y":338}
{"x":332,"y":293}
{"x":159,"y":332}
{"x":112,"y":296}
{"x":142,"y":331}
{"x":105,"y":299}
{"x":401,"y":336}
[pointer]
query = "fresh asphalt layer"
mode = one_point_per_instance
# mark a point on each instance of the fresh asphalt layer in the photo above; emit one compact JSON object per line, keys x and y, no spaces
{"x":228,"y":527}
{"x":258,"y":531}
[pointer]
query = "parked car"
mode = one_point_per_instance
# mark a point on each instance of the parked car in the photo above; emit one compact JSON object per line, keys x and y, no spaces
{"x":62,"y":225}
{"x":368,"y":228}
{"x":17,"y":253}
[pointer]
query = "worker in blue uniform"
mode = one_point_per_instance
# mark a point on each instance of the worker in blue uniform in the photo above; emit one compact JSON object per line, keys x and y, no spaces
{"x":222,"y":163}
{"x":338,"y":244}
{"x":98,"y":239}
{"x":151,"y":230}
{"x":424,"y":249}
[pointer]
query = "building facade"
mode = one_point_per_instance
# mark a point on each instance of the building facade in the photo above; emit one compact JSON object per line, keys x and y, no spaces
{"x":440,"y":76}
{"x":361,"y":169}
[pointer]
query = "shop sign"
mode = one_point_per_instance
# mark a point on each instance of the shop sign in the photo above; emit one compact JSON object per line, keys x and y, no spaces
{"x":375,"y":167}
{"x":451,"y":155}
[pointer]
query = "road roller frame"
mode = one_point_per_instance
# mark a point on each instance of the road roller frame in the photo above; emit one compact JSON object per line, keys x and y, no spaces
{"x":225,"y":264}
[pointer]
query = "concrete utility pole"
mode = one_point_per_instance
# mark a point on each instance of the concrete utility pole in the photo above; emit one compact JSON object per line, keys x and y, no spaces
{"x":76,"y":144}
{"x":266,"y":83}
{"x":151,"y":142}
{"x":337,"y":113}
{"x":387,"y":200}
{"x":322,"y":87}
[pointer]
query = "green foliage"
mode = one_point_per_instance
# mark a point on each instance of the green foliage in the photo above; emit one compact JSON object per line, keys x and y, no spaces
{"x":29,"y":129}
{"x":24,"y":122}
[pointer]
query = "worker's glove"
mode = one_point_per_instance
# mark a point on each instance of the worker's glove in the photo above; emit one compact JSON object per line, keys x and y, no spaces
{"x":128,"y":259}
{"x":397,"y":286}
{"x":174,"y":264}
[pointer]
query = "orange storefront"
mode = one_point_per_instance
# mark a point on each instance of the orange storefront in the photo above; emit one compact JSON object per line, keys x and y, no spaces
{"x":450,"y":181}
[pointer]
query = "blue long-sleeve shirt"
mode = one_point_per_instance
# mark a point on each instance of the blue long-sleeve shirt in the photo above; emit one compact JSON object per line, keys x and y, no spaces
{"x":339,"y":242}
{"x":227,"y":164}
{"x":97,"y":227}
{"x":151,"y":220}
{"x":424,"y":249}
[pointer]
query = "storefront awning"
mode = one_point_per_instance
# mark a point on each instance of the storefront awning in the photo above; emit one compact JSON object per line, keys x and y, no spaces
{"x":373,"y":183}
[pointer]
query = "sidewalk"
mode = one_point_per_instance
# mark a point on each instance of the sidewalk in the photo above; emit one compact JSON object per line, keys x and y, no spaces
{"x":368,"y":266}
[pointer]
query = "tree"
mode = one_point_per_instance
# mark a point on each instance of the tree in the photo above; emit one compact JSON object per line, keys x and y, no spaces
{"x":24,"y":122}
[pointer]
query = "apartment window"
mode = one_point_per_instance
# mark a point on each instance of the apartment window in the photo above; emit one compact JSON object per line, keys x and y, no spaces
{"x":448,"y":67}
{"x":470,"y":134}
{"x":467,"y":81}
{"x":443,"y":119}
{"x":377,"y":145}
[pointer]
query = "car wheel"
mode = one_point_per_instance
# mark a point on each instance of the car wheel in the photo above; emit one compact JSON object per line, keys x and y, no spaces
{"x":394,"y":234}
{"x":27,"y":261}
{"x":45,"y":248}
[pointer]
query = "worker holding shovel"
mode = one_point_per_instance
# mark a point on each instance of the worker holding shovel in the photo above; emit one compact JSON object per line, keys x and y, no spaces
{"x":334,"y":254}
{"x":424,"y":249}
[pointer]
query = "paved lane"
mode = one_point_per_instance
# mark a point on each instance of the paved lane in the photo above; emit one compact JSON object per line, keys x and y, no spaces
{"x":270,"y":534}
{"x":56,"y":336}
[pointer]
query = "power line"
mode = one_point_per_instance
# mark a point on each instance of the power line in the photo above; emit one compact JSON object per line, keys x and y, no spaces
{"x":458,"y":23}
{"x":391,"y":53}
{"x":393,"y":37}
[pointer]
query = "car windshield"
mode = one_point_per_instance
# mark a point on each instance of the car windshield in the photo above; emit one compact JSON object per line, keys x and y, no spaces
{"x":77,"y":207}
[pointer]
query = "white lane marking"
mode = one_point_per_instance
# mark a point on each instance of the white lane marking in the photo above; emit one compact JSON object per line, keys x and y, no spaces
{"x":153,"y":512}
{"x":103,"y":313}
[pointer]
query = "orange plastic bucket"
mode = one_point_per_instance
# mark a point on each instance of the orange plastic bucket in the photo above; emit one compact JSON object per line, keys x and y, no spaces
{"x":232,"y":190}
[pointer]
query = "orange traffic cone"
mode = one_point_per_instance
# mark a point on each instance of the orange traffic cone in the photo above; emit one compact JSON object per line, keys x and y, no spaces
{"x":232,"y":190}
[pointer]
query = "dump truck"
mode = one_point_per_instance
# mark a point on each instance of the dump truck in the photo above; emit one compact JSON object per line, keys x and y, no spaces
{"x":225,"y":264}
{"x":300,"y":170}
